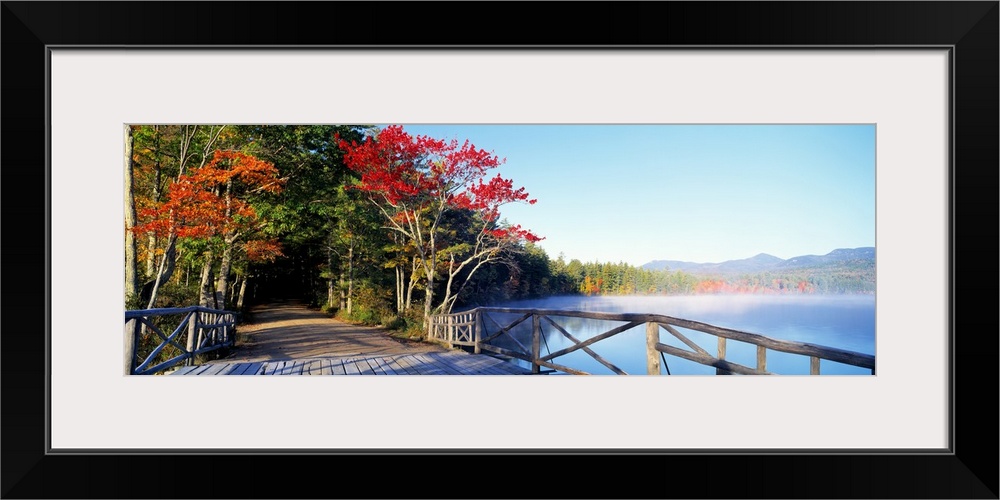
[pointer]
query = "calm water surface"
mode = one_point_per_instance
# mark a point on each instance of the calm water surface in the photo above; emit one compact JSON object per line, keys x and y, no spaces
{"x":844,"y":322}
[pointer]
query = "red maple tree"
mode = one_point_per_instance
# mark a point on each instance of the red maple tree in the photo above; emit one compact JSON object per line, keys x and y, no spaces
{"x":415,"y":180}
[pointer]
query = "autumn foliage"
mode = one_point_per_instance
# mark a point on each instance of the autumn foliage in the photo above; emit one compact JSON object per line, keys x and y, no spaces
{"x":414,"y":173}
{"x":415,"y":180}
{"x":201,"y":205}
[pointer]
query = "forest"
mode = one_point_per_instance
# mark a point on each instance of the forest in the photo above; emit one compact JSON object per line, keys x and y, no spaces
{"x":374,"y":225}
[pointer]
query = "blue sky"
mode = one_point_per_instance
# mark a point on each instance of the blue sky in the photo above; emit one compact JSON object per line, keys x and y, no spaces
{"x":702,"y":193}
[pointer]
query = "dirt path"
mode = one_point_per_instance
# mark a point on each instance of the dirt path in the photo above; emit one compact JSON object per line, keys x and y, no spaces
{"x":288,"y":330}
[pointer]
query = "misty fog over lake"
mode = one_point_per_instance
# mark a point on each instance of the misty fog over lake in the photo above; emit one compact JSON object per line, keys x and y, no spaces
{"x":840,"y":321}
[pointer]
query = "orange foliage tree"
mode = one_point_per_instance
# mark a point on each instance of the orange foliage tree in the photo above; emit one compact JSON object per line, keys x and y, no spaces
{"x":212,"y":202}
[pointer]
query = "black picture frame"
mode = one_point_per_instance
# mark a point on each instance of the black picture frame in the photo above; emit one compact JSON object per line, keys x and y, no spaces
{"x":970,"y":29}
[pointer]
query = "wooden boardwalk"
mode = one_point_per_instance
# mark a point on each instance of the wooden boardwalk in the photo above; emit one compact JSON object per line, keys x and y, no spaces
{"x":428,"y":363}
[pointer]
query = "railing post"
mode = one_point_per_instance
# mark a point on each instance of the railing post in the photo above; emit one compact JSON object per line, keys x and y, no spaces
{"x":761,"y":358}
{"x":652,"y":355}
{"x":192,"y":338}
{"x":131,"y":344}
{"x":478,"y":320}
{"x":451,"y":330}
{"x":813,"y":365}
{"x":536,"y":344}
{"x":722,"y":356}
{"x":214,"y":331}
{"x":195,"y":316}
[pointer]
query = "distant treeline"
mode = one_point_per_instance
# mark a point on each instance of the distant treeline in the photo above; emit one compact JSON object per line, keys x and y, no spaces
{"x":532,"y":274}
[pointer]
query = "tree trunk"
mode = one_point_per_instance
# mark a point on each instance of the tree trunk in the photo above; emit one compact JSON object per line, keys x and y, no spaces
{"x":163,"y":275}
{"x":343,"y":292}
{"x":412,"y":284}
{"x":399,"y":289}
{"x":157,"y":179}
{"x":131,"y":262}
{"x":206,"y":297}
{"x":331,"y":284}
{"x":243,"y":291}
{"x":151,"y":256}
{"x":445,"y":307}
{"x":350,"y":276}
{"x":429,"y":292}
{"x":222,"y":283}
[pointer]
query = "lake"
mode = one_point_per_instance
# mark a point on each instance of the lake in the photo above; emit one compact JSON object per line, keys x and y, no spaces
{"x":841,"y":321}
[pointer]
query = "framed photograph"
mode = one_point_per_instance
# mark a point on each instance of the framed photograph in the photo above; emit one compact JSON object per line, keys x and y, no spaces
{"x":916,"y":79}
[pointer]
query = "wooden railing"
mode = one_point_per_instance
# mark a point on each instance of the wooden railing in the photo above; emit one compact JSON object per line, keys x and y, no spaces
{"x":479,"y":329}
{"x":193,"y":330}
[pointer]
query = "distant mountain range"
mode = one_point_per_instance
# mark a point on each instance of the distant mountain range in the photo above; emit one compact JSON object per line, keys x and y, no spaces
{"x":764,"y":262}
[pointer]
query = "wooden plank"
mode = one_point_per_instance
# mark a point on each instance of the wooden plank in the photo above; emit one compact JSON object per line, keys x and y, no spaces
{"x":312,"y":367}
{"x":464,"y":365}
{"x":389,"y":367}
{"x":398,"y":367}
{"x":284,"y":368}
{"x":470,"y":364}
{"x":417,"y":365}
{"x":708,"y":360}
{"x":215,"y":369}
{"x":383,"y":365}
{"x":317,"y":367}
{"x":234,"y":369}
{"x":443,"y":367}
{"x":325,"y":368}
{"x":391,"y":363}
{"x":271,"y":367}
{"x":563,"y":368}
{"x":249,"y":369}
{"x":449,"y":362}
{"x":482,"y":365}
{"x":337,"y":367}
{"x":351,"y":367}
{"x":376,"y":366}
{"x":761,"y":358}
{"x":404,"y":361}
{"x":363,"y":367}
{"x":200,"y":370}
{"x":495,"y":366}
{"x":814,"y":365}
{"x":253,"y":369}
{"x":185,"y":370}
{"x":502,"y":366}
{"x":435,"y":365}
